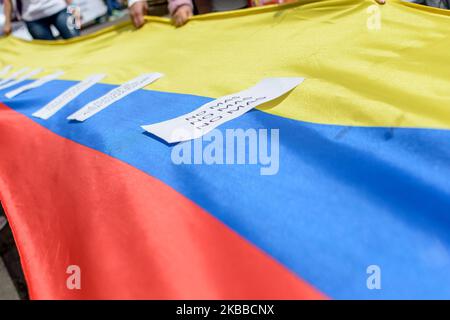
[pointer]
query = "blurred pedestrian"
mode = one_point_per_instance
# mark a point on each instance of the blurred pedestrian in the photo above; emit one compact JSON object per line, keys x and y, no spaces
{"x":114,"y":9}
{"x":442,"y":4}
{"x":40,"y":15}
{"x":181,"y":10}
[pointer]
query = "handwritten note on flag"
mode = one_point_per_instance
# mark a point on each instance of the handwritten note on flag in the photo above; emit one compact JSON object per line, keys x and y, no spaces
{"x":67,"y":96}
{"x":114,"y":95}
{"x":211,"y":115}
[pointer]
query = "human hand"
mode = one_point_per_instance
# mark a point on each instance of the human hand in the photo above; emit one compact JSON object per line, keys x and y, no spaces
{"x":7,"y":29}
{"x":182,"y":15}
{"x":137,"y":12}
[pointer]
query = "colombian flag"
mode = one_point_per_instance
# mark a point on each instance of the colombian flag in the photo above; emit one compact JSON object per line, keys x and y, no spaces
{"x":364,"y":159}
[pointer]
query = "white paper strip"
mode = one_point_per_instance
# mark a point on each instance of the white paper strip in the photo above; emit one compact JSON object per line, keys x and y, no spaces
{"x":5,"y":70}
{"x":34,"y":84}
{"x":22,"y":78}
{"x":114,"y":95}
{"x":13,"y":76}
{"x":211,"y":115}
{"x":67,"y":96}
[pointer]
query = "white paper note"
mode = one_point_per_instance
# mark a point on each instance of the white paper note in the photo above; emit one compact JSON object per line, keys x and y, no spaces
{"x":114,"y":95}
{"x":34,"y":84}
{"x":22,"y":78}
{"x":5,"y":70}
{"x":13,"y":76}
{"x":67,"y":96}
{"x":211,"y":115}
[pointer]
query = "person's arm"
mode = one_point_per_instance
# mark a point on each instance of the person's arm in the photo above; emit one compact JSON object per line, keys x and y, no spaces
{"x":7,"y":8}
{"x":138,"y":9}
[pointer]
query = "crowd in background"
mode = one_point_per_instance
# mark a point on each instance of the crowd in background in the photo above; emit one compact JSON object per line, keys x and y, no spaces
{"x":40,"y":16}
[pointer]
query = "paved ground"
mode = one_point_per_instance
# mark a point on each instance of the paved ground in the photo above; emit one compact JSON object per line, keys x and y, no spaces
{"x":12,"y":281}
{"x":7,"y":289}
{"x":97,"y":27}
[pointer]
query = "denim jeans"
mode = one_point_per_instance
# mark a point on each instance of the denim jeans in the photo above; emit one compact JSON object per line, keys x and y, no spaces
{"x":112,"y":5}
{"x":40,"y":29}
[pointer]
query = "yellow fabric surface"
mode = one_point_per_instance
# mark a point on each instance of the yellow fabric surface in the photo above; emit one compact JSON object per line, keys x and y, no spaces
{"x":394,"y":75}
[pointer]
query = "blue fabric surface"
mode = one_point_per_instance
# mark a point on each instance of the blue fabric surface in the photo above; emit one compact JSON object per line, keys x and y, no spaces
{"x":344,"y":197}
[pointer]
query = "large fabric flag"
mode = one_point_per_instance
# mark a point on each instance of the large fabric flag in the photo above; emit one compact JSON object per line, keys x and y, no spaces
{"x":359,"y":206}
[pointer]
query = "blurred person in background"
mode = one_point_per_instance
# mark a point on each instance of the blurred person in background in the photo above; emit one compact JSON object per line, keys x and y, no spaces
{"x":442,"y":4}
{"x":114,"y":9}
{"x":177,"y":8}
{"x":206,"y":6}
{"x":181,"y":10}
{"x":39,"y":16}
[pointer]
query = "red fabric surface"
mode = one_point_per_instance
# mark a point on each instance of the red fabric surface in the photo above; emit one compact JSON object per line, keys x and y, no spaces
{"x":131,"y":235}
